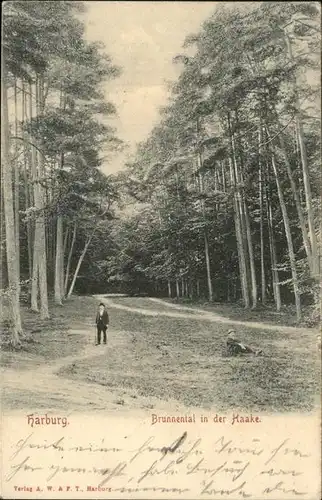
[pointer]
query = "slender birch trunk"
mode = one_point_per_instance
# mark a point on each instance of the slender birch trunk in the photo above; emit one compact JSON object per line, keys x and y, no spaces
{"x":70,"y":253}
{"x":79,"y":263}
{"x":62,"y":274}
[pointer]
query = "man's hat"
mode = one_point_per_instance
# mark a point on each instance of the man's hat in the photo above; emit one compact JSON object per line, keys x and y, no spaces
{"x":101,"y":304}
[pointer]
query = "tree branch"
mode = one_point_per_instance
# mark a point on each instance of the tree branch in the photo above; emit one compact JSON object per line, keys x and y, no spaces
{"x":26,"y":91}
{"x":28,"y":142}
{"x":277,"y":133}
{"x":307,"y":25}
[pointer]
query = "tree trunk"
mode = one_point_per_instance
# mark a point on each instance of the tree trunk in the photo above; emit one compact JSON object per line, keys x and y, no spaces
{"x":299,"y":174}
{"x":43,"y":292}
{"x":223,"y":175}
{"x":16,"y":187}
{"x":34,"y":176}
{"x":289,"y":242}
{"x":11,"y":249}
{"x":296,"y":196}
{"x":306,"y":176}
{"x":177,"y":289}
{"x":205,"y":235}
{"x":251,"y":257}
{"x":62,"y":274}
{"x":209,"y":282}
{"x":206,"y":241}
{"x":48,"y":239}
{"x":190,"y":288}
{"x":79,"y":263}
{"x":272,"y":247}
{"x":198,"y":288}
{"x":239,"y":240}
{"x":39,"y":274}
{"x":240,"y":224}
{"x":3,"y":256}
{"x":26,"y":158}
{"x":241,"y":258}
{"x":58,"y":261}
{"x":66,"y":236}
{"x":70,"y":253}
{"x":235,"y":291}
{"x":262,"y":253}
{"x":63,"y":244}
{"x":53,"y":242}
{"x":245,"y":219}
{"x":169,"y":289}
{"x":35,"y":272}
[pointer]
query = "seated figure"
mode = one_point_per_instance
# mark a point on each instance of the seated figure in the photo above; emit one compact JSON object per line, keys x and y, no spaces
{"x":235,"y":346}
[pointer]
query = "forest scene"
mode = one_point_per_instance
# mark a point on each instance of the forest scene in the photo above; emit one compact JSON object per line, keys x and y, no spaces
{"x":211,"y":226}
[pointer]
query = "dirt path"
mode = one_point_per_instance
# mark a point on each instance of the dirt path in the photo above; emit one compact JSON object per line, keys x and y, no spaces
{"x":198,"y":314}
{"x":45,"y":380}
{"x":43,"y":387}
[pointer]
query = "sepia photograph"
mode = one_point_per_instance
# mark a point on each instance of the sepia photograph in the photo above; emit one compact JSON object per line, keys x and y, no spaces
{"x":161,"y":249}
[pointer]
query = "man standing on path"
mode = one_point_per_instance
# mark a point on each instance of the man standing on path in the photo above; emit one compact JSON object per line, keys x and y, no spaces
{"x":102,"y":322}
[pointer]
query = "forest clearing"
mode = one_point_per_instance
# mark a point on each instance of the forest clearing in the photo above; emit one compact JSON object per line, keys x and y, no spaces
{"x":157,"y":363}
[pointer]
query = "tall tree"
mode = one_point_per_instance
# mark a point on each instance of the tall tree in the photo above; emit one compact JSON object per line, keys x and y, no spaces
{"x":11,"y":247}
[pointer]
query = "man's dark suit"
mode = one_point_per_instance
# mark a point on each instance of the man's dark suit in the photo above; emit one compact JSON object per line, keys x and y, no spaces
{"x":102,"y":323}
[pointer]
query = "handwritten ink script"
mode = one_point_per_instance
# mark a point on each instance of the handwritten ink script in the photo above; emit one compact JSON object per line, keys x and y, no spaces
{"x":178,"y":462}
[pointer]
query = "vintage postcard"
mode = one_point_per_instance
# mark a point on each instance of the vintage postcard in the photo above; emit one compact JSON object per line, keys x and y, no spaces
{"x":160,"y":250}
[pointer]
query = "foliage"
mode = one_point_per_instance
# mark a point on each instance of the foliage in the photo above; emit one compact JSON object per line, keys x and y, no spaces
{"x":228,"y":94}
